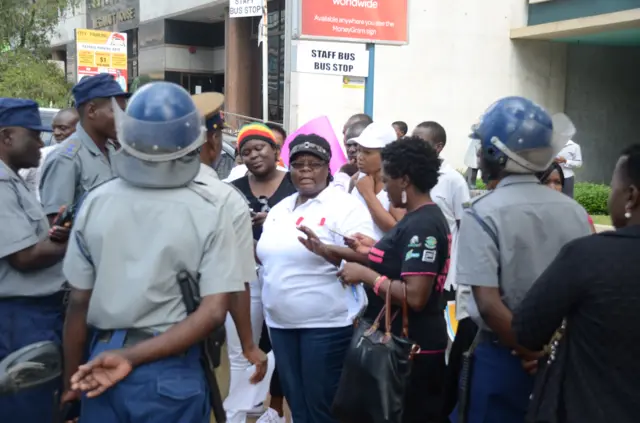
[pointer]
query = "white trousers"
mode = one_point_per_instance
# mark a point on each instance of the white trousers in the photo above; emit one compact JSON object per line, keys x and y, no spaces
{"x":237,"y":363}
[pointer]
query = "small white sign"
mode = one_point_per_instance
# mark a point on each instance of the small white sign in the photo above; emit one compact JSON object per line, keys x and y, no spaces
{"x":245,"y":8}
{"x":345,"y":59}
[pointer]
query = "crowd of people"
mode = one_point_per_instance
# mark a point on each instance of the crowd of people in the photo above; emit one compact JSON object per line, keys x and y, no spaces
{"x":290,"y":259}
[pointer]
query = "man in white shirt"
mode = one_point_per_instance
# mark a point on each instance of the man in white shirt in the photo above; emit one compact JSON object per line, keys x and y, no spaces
{"x":569,"y":158}
{"x":63,"y":126}
{"x":450,"y":193}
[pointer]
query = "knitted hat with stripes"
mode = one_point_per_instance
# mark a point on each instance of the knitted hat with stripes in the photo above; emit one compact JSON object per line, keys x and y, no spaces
{"x":256,"y":131}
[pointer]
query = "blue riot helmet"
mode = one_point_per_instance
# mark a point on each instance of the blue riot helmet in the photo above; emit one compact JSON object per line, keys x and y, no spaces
{"x":160,"y":134}
{"x":518,"y":136}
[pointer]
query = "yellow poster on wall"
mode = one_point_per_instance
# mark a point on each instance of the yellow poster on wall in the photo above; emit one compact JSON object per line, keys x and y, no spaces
{"x":102,"y":52}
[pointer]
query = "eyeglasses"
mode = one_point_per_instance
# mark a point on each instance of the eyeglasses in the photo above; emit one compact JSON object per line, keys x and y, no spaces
{"x":310,"y":165}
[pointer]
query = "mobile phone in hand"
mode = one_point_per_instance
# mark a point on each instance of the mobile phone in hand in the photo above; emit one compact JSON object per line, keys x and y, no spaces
{"x":339,"y":234}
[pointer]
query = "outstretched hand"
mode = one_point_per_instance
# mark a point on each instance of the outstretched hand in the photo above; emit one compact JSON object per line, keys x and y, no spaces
{"x":312,"y":242}
{"x":101,"y":373}
{"x":360,"y":243}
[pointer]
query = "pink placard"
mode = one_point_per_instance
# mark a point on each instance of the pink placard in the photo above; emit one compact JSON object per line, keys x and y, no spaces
{"x":319,"y":126}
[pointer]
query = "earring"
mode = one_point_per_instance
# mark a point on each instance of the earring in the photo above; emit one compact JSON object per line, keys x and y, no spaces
{"x":404,"y":197}
{"x":627,"y":215}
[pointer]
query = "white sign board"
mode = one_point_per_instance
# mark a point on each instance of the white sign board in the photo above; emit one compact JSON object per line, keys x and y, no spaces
{"x":245,"y":8}
{"x":344,"y":59}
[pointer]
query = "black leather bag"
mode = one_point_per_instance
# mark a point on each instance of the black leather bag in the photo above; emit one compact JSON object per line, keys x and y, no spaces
{"x":376,"y":371}
{"x":546,"y":399}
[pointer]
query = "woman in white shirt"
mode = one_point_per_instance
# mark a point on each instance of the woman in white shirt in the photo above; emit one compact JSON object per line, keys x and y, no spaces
{"x":368,"y":184}
{"x":308,"y":311}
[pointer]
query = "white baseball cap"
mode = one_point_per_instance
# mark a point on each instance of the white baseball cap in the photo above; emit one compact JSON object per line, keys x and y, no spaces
{"x":376,"y":135}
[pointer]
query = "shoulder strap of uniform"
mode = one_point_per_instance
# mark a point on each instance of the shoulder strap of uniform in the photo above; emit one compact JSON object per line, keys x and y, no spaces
{"x":244,"y":197}
{"x":82,"y":246}
{"x":484,"y":225}
{"x":69,"y":148}
{"x":79,"y":201}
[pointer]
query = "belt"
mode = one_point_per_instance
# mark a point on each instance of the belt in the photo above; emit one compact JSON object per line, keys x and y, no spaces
{"x":488,"y":336}
{"x":133,"y":336}
{"x":52,"y":299}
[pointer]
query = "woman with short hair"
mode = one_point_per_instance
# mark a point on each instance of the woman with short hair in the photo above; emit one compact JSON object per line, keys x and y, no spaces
{"x":308,"y":311}
{"x":414,"y":255}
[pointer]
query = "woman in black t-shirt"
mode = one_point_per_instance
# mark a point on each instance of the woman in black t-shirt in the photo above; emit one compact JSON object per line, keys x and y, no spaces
{"x":264,"y":186}
{"x":415,"y":252}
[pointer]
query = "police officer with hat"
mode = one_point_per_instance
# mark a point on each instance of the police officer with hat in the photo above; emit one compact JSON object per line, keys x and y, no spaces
{"x":212,"y":154}
{"x":31,"y":279}
{"x":132,"y":238}
{"x":507,"y":239}
{"x":82,"y":161}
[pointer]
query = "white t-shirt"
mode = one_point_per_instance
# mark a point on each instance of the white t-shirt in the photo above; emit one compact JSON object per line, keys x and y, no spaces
{"x":384,"y":200}
{"x":240,"y":170}
{"x":450,"y":194}
{"x":341,"y":180}
{"x":301,"y":289}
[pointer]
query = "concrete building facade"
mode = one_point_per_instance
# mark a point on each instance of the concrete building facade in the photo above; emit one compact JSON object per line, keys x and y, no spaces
{"x":581,"y":57}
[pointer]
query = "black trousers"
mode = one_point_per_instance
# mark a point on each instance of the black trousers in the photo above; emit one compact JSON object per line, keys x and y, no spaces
{"x":275,"y":390}
{"x":465,"y":335}
{"x":569,"y":183}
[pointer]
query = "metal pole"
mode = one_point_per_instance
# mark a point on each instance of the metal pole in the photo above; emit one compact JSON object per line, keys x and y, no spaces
{"x":265,"y":62}
{"x":369,"y":83}
{"x":288,"y":31}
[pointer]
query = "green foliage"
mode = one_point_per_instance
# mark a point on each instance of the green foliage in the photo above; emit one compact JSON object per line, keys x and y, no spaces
{"x":480,"y":185}
{"x":26,"y":27}
{"x":22,"y":75}
{"x":140,"y":81}
{"x":29,"y":24}
{"x":593,"y":197}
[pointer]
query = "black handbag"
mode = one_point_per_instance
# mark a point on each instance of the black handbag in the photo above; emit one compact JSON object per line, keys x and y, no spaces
{"x":376,"y":370}
{"x":545,"y":405}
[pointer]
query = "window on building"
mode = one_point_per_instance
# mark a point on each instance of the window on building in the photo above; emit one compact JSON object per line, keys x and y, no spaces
{"x":276,"y":19}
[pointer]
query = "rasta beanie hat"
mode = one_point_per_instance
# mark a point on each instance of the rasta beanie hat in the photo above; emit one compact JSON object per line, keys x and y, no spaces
{"x":256,"y":131}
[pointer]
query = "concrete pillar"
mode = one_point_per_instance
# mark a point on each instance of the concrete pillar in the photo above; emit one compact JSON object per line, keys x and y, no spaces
{"x":239,"y":68}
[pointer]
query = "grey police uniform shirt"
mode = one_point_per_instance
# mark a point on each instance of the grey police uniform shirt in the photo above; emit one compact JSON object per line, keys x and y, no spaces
{"x":23,"y":224}
{"x":230,"y":197}
{"x":73,"y":168}
{"x":532,"y":223}
{"x":128,"y":245}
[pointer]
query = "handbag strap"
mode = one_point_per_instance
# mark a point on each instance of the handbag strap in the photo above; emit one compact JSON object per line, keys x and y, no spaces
{"x":386,"y":312}
{"x":405,"y":312}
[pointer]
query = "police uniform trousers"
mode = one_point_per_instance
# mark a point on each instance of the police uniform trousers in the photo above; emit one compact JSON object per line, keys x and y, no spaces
{"x":500,"y":388}
{"x":24,"y":321}
{"x":172,"y":390}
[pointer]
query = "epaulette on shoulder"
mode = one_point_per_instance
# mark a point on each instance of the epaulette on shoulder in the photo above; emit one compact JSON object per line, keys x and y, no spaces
{"x":69,"y":148}
{"x":93,"y":188}
{"x":476,"y":195}
{"x":236,"y":189}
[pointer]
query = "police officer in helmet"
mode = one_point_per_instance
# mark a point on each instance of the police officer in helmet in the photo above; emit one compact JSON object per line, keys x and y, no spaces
{"x":131,"y":238}
{"x":507,"y":239}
